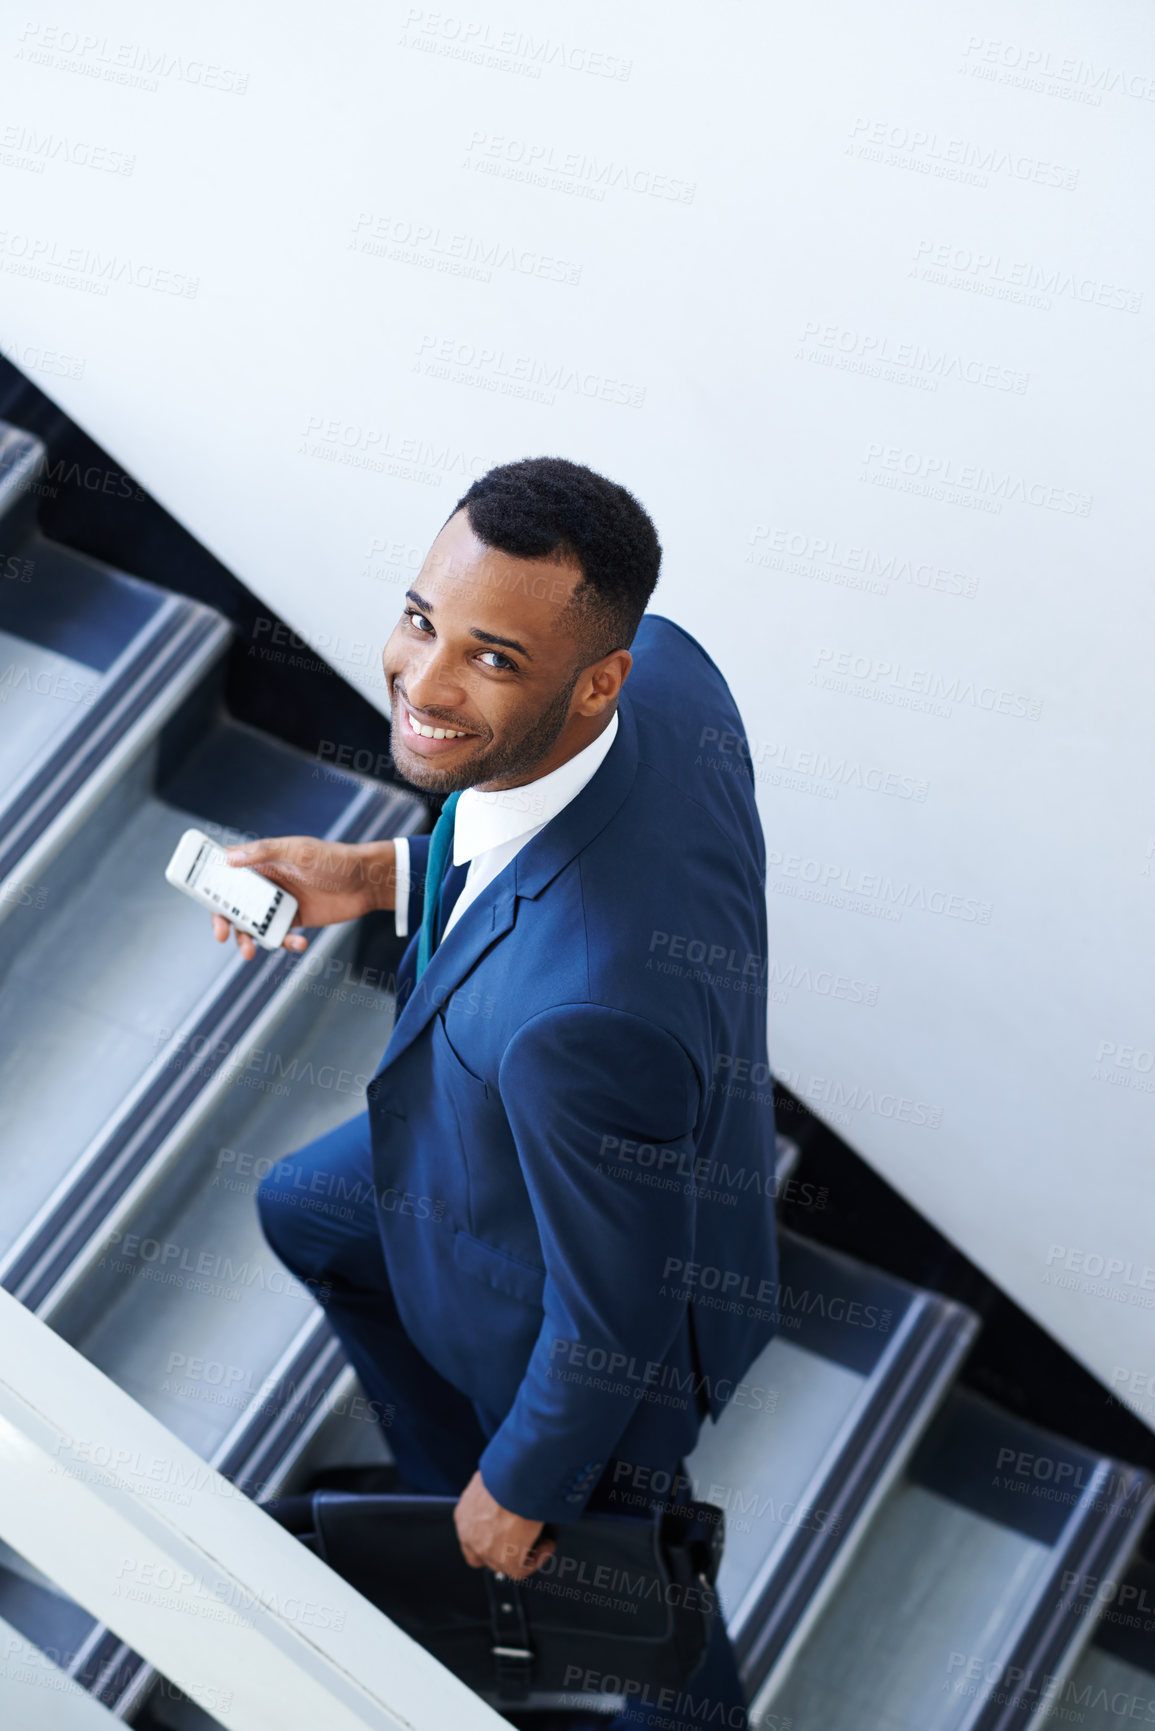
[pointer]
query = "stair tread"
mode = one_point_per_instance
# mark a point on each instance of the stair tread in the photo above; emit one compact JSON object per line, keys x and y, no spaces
{"x":244,"y":1310}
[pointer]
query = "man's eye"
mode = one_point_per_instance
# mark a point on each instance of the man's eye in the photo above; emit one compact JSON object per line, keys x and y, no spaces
{"x":499,"y":661}
{"x":419,"y":622}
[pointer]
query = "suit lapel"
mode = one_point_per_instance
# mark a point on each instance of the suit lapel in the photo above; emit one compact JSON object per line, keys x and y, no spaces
{"x":483,"y":923}
{"x":486,"y":921}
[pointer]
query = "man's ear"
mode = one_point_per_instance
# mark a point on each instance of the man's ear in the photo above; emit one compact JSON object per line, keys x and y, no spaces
{"x":601,"y":682}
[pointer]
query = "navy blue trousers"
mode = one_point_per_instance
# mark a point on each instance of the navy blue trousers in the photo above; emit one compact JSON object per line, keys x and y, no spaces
{"x":318,"y":1210}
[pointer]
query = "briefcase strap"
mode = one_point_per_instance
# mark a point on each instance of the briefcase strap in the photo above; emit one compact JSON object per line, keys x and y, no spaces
{"x":512,"y":1652}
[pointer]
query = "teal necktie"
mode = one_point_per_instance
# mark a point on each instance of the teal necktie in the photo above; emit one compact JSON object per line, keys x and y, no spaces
{"x":440,"y":848}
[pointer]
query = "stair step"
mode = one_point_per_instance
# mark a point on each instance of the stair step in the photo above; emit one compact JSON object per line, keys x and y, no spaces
{"x":92,"y":662}
{"x":149,"y":1074}
{"x":1113,"y":1682}
{"x":186,"y":1307}
{"x":831,"y":1410}
{"x":106,"y":1057}
{"x":961,"y":1586}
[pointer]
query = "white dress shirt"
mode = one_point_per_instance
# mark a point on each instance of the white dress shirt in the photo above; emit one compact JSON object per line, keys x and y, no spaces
{"x":490,"y":829}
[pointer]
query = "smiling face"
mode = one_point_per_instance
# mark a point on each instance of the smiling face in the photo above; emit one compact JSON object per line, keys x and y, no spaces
{"x":484,"y":669}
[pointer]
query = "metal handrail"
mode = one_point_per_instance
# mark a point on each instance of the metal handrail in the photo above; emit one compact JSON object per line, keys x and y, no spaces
{"x":132,"y":1524}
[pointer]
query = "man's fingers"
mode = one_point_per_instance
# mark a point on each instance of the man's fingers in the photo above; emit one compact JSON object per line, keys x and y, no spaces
{"x":221,"y":928}
{"x":286,"y":855}
{"x":516,"y":1566}
{"x":471,"y":1556}
{"x":246,"y":945}
{"x":535,"y":1558}
{"x":295,"y":941}
{"x":249,"y":852}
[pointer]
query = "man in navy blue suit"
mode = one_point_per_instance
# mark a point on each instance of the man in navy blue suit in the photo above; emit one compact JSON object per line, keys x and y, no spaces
{"x":548,"y":1244}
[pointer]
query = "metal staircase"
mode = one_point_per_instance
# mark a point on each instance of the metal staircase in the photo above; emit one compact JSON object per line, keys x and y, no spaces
{"x":900,"y":1554}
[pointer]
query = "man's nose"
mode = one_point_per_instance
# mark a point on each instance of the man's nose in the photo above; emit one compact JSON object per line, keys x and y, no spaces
{"x":432,"y":683}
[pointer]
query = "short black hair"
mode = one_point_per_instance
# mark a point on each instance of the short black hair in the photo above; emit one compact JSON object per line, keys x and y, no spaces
{"x":544,"y":505}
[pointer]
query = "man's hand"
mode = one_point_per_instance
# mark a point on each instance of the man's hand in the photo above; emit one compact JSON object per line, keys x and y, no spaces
{"x":332,"y":881}
{"x":493,"y":1538}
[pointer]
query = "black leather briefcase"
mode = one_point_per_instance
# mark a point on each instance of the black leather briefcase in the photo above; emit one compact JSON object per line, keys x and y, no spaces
{"x":624,"y":1600}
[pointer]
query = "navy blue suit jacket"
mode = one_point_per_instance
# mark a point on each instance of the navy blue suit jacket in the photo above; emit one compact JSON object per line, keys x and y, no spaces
{"x":575,"y":1100}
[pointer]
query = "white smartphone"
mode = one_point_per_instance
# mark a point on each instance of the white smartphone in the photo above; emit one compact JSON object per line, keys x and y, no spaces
{"x":253,"y":903}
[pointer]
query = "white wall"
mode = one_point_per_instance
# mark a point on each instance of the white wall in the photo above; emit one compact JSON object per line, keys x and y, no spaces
{"x":860,"y":309}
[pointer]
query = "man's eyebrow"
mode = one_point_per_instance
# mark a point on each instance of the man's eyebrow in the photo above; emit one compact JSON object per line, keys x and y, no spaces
{"x":481,"y":636}
{"x":502,"y":642}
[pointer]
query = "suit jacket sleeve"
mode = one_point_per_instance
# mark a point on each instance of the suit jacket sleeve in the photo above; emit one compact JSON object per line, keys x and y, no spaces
{"x":575,"y":1081}
{"x":418,"y":858}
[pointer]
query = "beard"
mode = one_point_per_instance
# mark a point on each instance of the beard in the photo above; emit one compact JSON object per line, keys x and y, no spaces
{"x":513,"y":756}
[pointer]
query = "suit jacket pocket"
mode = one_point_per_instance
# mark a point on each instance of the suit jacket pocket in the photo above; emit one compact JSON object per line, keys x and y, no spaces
{"x":498,"y":1269}
{"x":446,"y":1055}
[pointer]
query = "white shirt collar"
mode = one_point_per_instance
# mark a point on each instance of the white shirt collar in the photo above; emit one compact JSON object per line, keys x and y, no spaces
{"x":486,"y":820}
